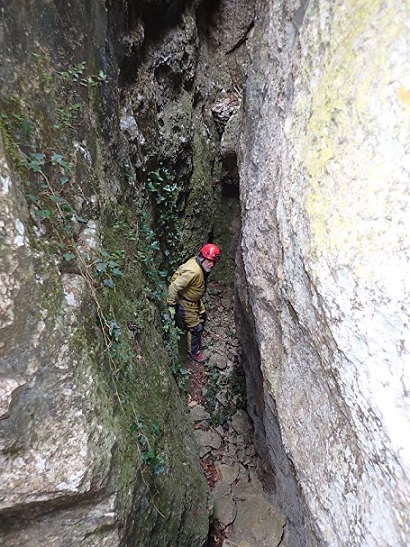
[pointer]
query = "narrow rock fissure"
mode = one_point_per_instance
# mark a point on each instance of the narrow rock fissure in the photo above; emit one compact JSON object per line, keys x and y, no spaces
{"x":242,"y":511}
{"x":132,"y":132}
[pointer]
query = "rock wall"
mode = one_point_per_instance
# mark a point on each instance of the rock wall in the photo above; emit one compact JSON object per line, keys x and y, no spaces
{"x":180,"y":107}
{"x":95,"y":436}
{"x":325,"y":247}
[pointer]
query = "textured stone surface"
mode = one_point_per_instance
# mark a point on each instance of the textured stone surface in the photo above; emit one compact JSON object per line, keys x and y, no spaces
{"x":184,"y":98}
{"x":325,"y":203}
{"x":71,"y":468}
{"x":224,"y":506}
{"x":9,"y":390}
{"x":54,"y":446}
{"x":257,"y":523}
{"x":240,"y":503}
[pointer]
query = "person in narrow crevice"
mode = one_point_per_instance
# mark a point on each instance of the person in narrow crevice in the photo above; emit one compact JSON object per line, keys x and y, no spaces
{"x":185,"y":292}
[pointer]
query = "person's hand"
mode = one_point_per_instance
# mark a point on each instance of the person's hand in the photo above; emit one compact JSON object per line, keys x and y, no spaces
{"x":172,"y":312}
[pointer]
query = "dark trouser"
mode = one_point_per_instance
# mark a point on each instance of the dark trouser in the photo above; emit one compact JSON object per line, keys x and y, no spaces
{"x":191,"y":316}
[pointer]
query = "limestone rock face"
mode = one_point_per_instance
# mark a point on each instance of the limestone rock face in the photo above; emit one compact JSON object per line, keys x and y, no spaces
{"x":57,"y":435}
{"x":182,"y":81}
{"x":93,"y":96}
{"x":72,"y":467}
{"x":325,"y":173}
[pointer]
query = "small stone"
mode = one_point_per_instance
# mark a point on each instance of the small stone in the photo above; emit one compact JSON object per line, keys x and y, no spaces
{"x":208,"y":439}
{"x":241,"y":455}
{"x":242,"y":423}
{"x":228,"y":460}
{"x":222,"y":364}
{"x":224,"y":508}
{"x":217,"y":360}
{"x":199,"y":414}
{"x":241,"y":443}
{"x":250,"y":450}
{"x":229,"y":473}
{"x":253,"y":477}
{"x":232,"y":448}
{"x":222,"y":489}
{"x":204,"y":450}
{"x":243,"y":473}
{"x":267,"y":523}
{"x":245,"y":489}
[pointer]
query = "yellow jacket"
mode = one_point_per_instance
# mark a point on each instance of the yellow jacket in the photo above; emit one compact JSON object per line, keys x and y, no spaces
{"x":187,"y":282}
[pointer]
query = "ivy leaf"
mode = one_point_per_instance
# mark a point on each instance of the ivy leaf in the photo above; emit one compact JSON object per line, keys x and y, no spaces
{"x":101,"y":267}
{"x":35,"y":166}
{"x":57,"y":199}
{"x":55,"y":158}
{"x":43,"y":213}
{"x":58,"y":159}
{"x":158,"y":469}
{"x":114,"y":330}
{"x":109,"y":283}
{"x":65,"y":207}
{"x":32,"y":197}
{"x":155,"y":429}
{"x":26,"y":127}
{"x":149,"y":455}
{"x":80,"y":219}
{"x":102,"y":76}
{"x":40,"y":157}
{"x":64,"y":180}
{"x":117,"y":272}
{"x":68,"y":256}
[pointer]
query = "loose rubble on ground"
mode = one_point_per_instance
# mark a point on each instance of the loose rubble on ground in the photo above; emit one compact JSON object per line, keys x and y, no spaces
{"x":243,"y":515}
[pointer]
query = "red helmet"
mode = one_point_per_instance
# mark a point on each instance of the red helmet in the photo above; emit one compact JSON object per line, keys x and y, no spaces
{"x":211,"y":252}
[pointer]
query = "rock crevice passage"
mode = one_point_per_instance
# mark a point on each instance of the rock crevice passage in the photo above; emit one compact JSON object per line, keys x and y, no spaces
{"x":101,"y":101}
{"x":242,"y":512}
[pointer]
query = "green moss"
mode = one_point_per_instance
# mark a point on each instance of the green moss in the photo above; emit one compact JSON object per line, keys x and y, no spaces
{"x":11,"y":120}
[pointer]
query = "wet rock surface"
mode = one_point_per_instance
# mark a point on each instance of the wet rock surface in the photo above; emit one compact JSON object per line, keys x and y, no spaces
{"x":243,"y":514}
